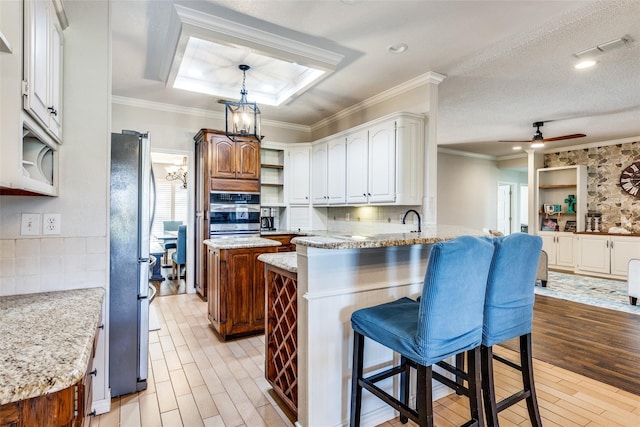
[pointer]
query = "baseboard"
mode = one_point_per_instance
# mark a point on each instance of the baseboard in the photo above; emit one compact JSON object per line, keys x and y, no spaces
{"x":102,"y":406}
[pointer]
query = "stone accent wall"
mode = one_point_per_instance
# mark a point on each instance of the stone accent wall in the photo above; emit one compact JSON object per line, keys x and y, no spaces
{"x":604,"y":165}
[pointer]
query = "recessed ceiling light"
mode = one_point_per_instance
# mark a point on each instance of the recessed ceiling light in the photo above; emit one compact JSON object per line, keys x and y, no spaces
{"x":517,"y":147}
{"x":585,"y":64}
{"x":397,"y":48}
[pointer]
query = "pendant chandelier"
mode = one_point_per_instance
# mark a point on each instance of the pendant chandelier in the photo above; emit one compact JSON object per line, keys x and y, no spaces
{"x":178,"y":173}
{"x":242,"y":117}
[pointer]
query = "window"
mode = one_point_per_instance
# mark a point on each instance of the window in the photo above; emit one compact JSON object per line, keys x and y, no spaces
{"x":171,"y":201}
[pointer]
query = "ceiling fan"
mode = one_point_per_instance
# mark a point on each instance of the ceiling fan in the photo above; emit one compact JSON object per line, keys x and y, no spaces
{"x":538,"y":140}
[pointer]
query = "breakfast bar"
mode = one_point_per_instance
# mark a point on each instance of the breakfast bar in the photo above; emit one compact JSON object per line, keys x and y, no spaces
{"x":337,"y":274}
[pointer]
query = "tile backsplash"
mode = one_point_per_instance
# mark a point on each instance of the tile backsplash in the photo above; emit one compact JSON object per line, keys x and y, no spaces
{"x":52,"y":264}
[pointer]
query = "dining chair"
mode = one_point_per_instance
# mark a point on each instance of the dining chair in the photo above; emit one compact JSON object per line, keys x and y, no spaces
{"x":170,"y":243}
{"x":179,"y":257}
{"x":447,"y":321}
{"x":508,"y":313}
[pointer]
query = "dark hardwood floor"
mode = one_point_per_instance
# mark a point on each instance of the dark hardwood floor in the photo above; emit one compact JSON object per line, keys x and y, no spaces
{"x":595,"y":342}
{"x":169,"y":286}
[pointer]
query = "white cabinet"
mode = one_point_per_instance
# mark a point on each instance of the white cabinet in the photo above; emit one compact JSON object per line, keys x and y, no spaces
{"x":605,"y":254}
{"x":357,"y":167}
{"x":377,"y":163}
{"x":555,"y":186}
{"x":560,"y":249}
{"x":297,"y":173}
{"x":328,"y":171}
{"x":42,"y":79}
{"x":371,"y":165}
{"x":29,"y":159}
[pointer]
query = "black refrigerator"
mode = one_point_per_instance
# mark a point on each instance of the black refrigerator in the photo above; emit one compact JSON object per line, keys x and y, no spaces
{"x":130,"y":194}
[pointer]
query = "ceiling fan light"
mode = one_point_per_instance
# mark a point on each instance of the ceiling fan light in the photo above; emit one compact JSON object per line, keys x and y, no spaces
{"x":537,"y":143}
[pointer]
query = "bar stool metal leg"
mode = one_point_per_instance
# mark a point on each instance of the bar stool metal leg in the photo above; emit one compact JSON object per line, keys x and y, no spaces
{"x":356,"y":388}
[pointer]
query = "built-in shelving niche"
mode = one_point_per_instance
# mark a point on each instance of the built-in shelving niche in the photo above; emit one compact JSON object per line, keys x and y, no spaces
{"x":39,"y":161}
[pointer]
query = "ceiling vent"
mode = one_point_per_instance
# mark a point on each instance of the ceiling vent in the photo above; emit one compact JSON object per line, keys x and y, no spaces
{"x":602,"y":48}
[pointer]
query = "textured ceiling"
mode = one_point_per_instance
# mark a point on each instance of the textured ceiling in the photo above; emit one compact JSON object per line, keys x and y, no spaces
{"x":508,"y":63}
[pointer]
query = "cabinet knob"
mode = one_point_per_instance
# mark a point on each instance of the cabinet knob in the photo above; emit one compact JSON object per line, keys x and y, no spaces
{"x":364,"y":194}
{"x":306,"y":197}
{"x":92,"y":413}
{"x":369,"y":194}
{"x":94,"y":372}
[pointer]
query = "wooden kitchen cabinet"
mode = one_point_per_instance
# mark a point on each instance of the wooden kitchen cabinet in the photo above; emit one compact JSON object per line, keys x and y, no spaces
{"x":236,"y":294}
{"x":285,"y":239}
{"x":236,"y":160}
{"x":220,"y":165}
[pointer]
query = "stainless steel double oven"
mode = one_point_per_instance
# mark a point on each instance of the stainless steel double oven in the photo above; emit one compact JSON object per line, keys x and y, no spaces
{"x":234,"y":214}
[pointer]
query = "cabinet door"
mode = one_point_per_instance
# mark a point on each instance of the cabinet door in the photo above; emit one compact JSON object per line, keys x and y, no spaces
{"x":594,"y":253}
{"x":37,"y":17}
{"x":336,"y":170}
{"x":565,"y":250}
{"x":247,"y":160}
{"x":319,"y":174}
{"x":622,"y":250}
{"x":297,"y":172}
{"x":237,"y":291}
{"x":357,"y":167}
{"x":549,"y":246}
{"x":382,"y":163}
{"x":223,"y":158}
{"x":213,"y":283}
{"x":56,"y":45}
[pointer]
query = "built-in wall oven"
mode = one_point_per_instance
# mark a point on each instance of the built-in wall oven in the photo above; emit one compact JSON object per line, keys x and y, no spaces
{"x":234,"y":214}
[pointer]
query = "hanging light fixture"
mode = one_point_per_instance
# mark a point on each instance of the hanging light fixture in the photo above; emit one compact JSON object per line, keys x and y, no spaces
{"x":178,"y":173}
{"x":242,"y":117}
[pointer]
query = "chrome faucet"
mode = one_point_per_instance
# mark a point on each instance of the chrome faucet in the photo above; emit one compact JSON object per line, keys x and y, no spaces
{"x":419,"y":220}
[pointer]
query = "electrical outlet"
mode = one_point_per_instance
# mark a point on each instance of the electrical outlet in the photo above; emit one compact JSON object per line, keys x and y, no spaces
{"x":51,"y":223}
{"x":30,"y":224}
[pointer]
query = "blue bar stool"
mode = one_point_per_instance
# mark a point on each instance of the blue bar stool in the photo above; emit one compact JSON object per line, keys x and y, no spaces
{"x":508,"y":314}
{"x":447,"y":321}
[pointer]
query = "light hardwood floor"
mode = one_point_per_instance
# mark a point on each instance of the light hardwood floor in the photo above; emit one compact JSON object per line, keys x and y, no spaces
{"x":197,"y":380}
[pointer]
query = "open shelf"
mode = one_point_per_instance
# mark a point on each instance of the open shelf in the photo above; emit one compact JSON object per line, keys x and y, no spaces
{"x":272,"y":166}
{"x":553,"y":187}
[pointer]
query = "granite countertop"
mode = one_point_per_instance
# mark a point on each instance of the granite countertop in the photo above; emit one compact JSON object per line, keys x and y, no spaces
{"x":429,"y":234}
{"x":47,"y":340}
{"x":241,"y":242}
{"x":285,"y":260}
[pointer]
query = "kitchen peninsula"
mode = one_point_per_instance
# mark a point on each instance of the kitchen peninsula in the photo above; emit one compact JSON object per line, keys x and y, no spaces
{"x":336,"y":275}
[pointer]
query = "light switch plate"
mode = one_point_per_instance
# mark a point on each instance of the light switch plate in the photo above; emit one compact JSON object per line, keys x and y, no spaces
{"x":51,"y":223}
{"x":30,"y":224}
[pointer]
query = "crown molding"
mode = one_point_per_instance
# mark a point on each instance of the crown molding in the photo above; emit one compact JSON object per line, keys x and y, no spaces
{"x":197,"y":112}
{"x":430,"y":77}
{"x":467,"y":154}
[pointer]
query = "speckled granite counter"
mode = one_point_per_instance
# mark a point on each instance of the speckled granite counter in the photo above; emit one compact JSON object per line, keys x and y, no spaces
{"x":47,"y":339}
{"x":285,"y":260}
{"x":429,"y":234}
{"x":241,"y":242}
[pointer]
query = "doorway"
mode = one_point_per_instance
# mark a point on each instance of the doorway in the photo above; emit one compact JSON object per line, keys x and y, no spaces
{"x":504,"y":209}
{"x":173,"y":197}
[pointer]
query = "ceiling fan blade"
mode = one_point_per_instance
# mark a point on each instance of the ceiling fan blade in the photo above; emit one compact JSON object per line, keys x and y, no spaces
{"x":560,"y":138}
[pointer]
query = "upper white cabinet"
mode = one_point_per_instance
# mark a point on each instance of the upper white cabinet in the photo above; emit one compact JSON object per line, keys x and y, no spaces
{"x":42,"y":79}
{"x":381,"y":164}
{"x":30,"y":153}
{"x":555,"y":185}
{"x":328,"y":169}
{"x":297,"y":173}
